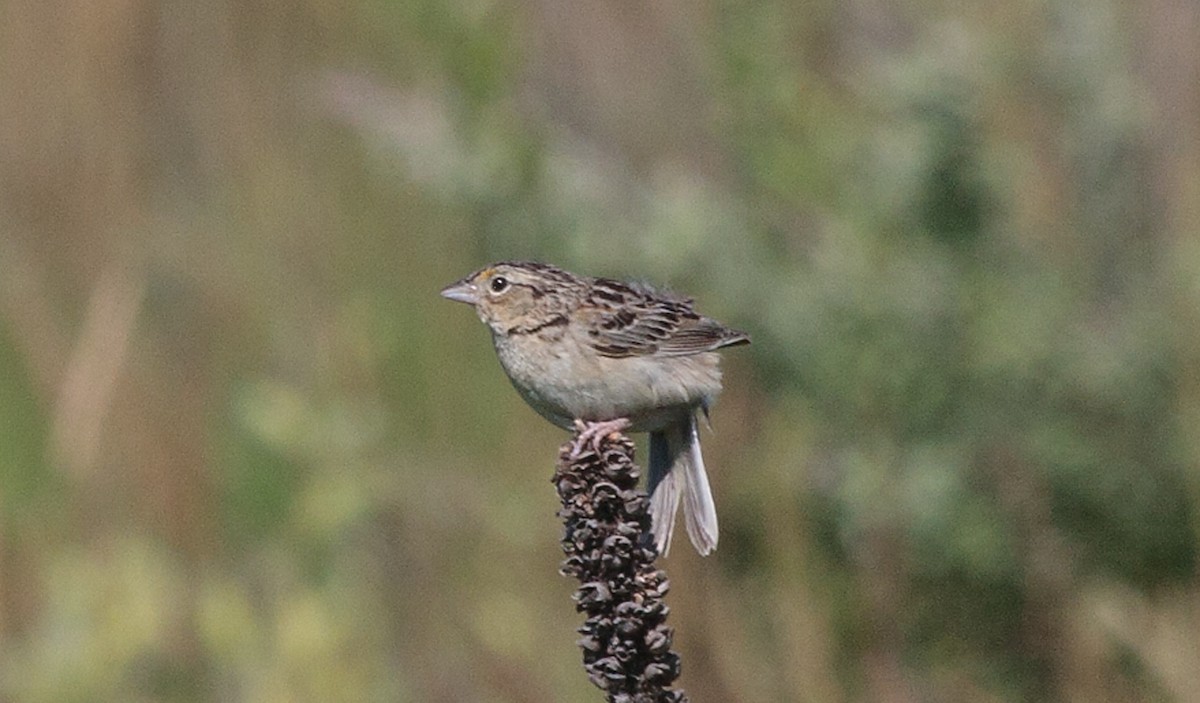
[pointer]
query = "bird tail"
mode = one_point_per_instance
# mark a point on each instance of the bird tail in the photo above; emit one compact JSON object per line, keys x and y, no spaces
{"x":677,"y":475}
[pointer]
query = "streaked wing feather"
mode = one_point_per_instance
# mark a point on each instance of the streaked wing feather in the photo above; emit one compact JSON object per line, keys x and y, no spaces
{"x":704,"y":335}
{"x":637,"y":321}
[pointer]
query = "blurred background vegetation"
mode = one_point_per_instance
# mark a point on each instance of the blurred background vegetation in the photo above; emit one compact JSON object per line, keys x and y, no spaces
{"x":247,"y":453}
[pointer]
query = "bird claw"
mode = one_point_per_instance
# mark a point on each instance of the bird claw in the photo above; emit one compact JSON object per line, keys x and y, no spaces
{"x":590,"y":434}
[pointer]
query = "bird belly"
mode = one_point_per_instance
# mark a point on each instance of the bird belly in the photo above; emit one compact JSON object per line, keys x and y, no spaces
{"x":563,"y":384}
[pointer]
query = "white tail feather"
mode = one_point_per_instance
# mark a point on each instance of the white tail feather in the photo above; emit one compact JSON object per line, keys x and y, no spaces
{"x":677,"y":475}
{"x":664,"y":503}
{"x":699,"y":510}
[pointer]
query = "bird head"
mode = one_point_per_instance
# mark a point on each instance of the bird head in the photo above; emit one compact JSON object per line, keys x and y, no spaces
{"x":512,"y":295}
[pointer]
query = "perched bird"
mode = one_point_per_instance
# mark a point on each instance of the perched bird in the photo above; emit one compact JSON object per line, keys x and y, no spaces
{"x":612,"y":355}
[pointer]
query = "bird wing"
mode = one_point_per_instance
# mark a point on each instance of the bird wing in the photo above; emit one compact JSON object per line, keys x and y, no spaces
{"x":633,"y":320}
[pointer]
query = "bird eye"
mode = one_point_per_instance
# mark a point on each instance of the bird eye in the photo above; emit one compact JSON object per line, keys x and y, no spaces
{"x":499,"y":283}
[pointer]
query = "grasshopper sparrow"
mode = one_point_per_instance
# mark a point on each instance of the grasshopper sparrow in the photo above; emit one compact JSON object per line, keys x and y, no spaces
{"x":612,"y":354}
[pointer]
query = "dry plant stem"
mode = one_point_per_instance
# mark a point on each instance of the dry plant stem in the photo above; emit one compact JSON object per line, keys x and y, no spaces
{"x":625,"y":640}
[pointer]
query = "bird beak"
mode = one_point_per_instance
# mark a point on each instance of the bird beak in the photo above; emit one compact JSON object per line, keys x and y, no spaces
{"x":462,"y":291}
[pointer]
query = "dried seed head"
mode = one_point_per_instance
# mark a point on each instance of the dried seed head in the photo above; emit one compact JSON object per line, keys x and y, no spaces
{"x":626,"y":645}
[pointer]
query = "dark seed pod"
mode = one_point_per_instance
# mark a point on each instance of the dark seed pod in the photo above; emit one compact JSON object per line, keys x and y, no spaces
{"x":626,"y":644}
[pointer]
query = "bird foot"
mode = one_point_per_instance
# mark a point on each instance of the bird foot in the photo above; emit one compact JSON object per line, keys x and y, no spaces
{"x":590,"y":434}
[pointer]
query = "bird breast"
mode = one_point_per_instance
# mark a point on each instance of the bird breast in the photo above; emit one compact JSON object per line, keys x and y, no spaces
{"x":564,"y":379}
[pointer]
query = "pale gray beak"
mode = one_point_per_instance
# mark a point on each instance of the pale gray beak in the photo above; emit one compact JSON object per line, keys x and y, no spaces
{"x":462,"y":292}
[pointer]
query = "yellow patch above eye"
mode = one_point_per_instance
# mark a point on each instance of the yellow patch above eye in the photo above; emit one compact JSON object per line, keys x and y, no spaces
{"x":487,"y":272}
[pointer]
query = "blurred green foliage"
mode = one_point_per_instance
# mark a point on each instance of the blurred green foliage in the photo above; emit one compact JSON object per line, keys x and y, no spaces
{"x":247,"y":453}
